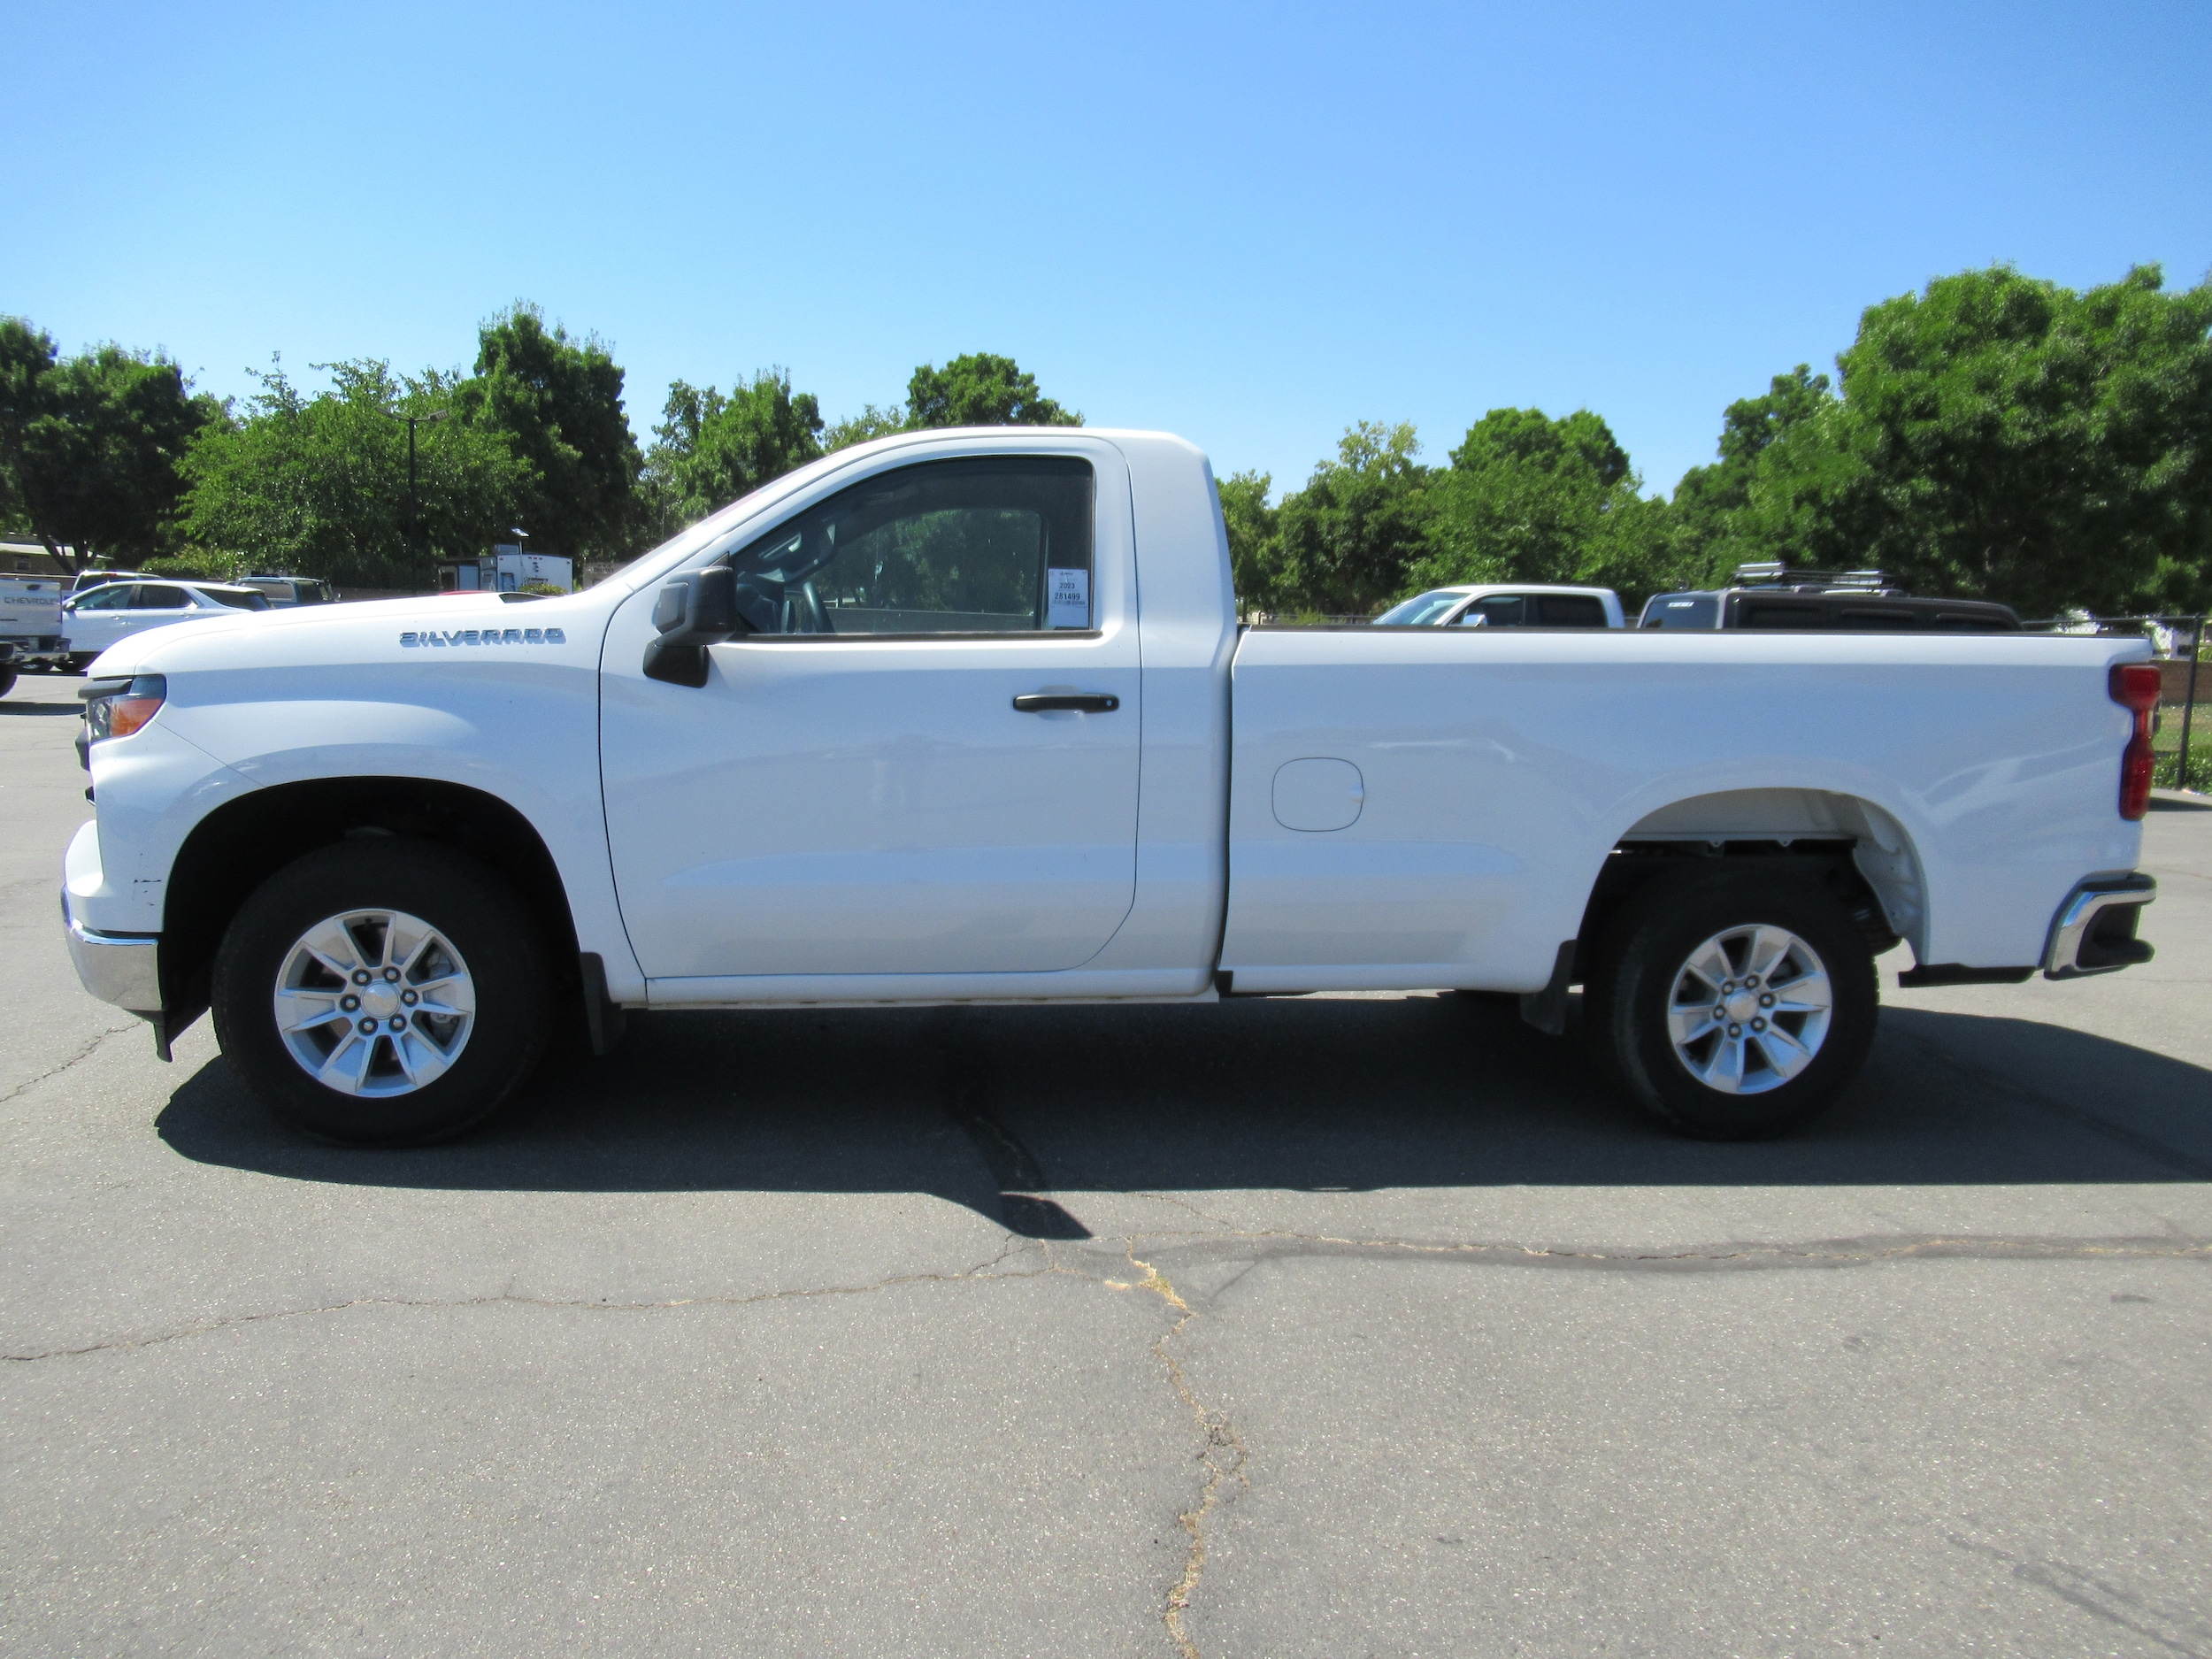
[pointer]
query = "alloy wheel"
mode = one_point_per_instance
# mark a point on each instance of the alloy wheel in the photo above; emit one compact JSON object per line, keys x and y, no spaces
{"x":374,"y":1002}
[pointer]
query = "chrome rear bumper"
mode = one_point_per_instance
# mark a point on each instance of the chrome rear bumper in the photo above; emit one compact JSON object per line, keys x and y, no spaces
{"x":2094,"y":930}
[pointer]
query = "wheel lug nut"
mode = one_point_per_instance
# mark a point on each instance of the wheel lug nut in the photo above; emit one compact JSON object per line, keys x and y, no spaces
{"x":1756,"y":1025}
{"x":348,"y":1003}
{"x":368,"y":1026}
{"x":392,"y":975}
{"x":1752,"y":983}
{"x":1766,"y":1000}
{"x":410,"y":999}
{"x":1735,"y":1031}
{"x":1727,"y":987}
{"x":360,"y":975}
{"x":398,"y":1024}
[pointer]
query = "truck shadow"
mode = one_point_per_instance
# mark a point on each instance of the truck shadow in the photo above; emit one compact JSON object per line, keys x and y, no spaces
{"x":995,"y":1109}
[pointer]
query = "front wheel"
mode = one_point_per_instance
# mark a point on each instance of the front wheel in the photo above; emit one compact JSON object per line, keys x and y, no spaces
{"x":382,"y":993}
{"x":1734,"y":1005}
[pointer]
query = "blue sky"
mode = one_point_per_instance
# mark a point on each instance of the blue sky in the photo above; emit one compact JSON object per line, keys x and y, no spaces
{"x":1251,"y":226}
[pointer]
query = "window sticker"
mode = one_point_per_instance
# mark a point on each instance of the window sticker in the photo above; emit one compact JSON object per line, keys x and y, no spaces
{"x":1070,"y":595}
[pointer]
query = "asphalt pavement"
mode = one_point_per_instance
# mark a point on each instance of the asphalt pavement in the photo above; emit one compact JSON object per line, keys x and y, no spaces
{"x":1352,"y":1326}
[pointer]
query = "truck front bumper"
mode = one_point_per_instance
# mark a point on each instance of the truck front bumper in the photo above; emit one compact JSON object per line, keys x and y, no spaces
{"x":2093,"y":930}
{"x":123,"y":969}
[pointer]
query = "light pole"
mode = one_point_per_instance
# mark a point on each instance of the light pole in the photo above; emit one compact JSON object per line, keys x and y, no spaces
{"x":414,"y":516}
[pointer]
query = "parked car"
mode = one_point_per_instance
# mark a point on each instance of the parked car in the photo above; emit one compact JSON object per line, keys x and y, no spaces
{"x":873,"y":735}
{"x":1507,"y":605}
{"x":284,"y":591}
{"x":99,"y":617}
{"x":1829,"y":601}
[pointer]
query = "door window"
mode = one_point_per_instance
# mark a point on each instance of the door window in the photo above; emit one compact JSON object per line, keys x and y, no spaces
{"x":996,"y":545}
{"x":1422,"y":611}
{"x":112,"y":597}
{"x":1498,"y":610}
{"x":1569,"y":610}
{"x":159,"y":597}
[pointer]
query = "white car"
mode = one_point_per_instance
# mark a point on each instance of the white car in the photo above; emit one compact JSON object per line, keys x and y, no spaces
{"x":1507,"y":605}
{"x":96,"y":617}
{"x":967,"y":717}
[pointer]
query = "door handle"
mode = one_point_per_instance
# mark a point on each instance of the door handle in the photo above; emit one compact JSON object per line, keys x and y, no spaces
{"x":1082,"y":701}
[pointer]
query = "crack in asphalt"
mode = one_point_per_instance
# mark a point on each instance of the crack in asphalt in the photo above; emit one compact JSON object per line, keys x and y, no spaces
{"x":1832,"y":1253}
{"x":968,"y":1081}
{"x":82,"y":1053}
{"x":1221,"y":1455}
{"x":984,"y":1274}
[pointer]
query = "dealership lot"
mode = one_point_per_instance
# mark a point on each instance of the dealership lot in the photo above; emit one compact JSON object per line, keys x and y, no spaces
{"x":1356,"y":1325}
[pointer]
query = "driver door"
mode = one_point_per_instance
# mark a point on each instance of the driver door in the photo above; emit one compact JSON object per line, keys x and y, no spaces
{"x":856,"y":790}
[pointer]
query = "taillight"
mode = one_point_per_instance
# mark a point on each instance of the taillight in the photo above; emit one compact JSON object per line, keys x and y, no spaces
{"x":2136,"y":686}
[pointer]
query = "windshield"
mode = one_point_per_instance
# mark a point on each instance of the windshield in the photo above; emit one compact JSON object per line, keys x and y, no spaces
{"x":235,"y":599}
{"x":1420,"y":611}
{"x":1683,"y":611}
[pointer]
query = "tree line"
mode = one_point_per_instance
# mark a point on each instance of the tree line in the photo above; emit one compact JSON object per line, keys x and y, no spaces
{"x":110,"y":456}
{"x":1992,"y":435}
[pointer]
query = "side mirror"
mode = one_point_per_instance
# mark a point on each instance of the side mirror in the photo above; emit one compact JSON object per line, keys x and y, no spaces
{"x":693,"y":611}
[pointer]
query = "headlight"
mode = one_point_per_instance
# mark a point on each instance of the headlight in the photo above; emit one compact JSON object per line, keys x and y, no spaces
{"x":115,"y":707}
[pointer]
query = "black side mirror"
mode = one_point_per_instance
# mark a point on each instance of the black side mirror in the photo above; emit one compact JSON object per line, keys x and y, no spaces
{"x":694,"y":611}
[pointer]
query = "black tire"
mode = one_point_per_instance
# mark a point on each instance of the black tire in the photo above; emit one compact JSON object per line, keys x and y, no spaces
{"x":1641,"y":958}
{"x":469,"y":904}
{"x":7,"y":681}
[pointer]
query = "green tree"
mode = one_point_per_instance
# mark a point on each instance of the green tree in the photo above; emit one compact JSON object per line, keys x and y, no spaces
{"x":90,"y":445}
{"x":869,"y":423}
{"x":711,"y":449}
{"x":1530,"y":499}
{"x":1727,"y":515}
{"x":1255,"y":540}
{"x":1351,"y":534}
{"x":1995,"y":436}
{"x":319,"y":484}
{"x":557,"y":401}
{"x":2019,"y":440}
{"x":980,"y":390}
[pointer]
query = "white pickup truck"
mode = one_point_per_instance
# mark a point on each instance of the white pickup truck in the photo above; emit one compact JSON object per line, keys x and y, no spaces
{"x":967,"y":717}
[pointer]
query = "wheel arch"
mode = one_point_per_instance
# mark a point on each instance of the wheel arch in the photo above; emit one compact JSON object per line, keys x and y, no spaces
{"x":241,"y":844}
{"x":1857,"y":846}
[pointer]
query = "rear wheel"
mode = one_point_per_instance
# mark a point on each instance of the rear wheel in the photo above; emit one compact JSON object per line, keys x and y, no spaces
{"x":1731,"y":1005}
{"x":383,"y":993}
{"x":7,"y":681}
